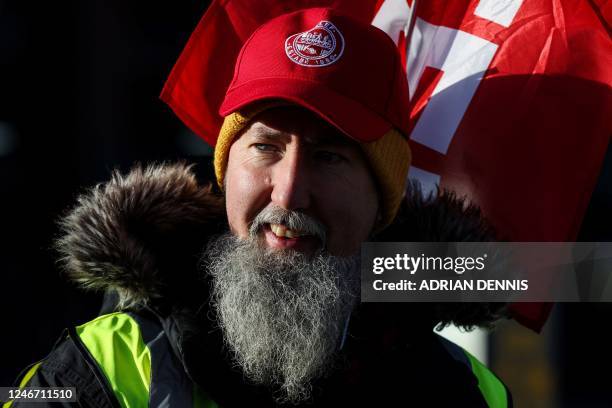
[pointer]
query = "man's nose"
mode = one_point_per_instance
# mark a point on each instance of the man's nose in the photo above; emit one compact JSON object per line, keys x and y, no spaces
{"x":291,"y":181}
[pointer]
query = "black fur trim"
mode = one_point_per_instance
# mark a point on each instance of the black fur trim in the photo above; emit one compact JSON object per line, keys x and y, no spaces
{"x":133,"y":234}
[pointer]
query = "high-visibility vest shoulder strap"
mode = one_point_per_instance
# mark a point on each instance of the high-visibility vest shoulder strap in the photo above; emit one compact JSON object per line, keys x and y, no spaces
{"x":136,"y":357}
{"x":27,"y":376}
{"x":492,"y":389}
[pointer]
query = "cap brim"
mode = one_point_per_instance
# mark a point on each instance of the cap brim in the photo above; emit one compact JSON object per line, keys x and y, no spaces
{"x":352,"y":118}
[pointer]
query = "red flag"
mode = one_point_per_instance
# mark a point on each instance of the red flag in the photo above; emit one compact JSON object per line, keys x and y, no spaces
{"x":511,"y":100}
{"x":512,"y":106}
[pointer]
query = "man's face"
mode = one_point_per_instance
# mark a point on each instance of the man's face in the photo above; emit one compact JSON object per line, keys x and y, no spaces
{"x":290,"y":158}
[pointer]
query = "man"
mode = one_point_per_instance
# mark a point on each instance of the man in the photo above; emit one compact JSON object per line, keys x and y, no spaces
{"x":312,"y":160}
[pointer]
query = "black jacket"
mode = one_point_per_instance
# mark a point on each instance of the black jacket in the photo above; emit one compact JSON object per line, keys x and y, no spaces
{"x":138,"y":238}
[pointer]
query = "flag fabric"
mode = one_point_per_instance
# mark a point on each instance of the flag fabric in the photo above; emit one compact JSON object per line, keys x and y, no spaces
{"x":512,"y":107}
{"x":511,"y":100}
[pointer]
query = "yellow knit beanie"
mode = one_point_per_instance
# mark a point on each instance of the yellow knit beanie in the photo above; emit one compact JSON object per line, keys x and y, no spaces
{"x":389,"y":158}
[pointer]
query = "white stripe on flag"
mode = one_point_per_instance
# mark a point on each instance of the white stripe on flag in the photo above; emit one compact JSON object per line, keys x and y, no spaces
{"x":501,"y":12}
{"x":463,"y":58}
{"x":393,"y":17}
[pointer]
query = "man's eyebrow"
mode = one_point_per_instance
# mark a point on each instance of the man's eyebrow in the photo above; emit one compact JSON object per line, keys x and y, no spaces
{"x":269,"y":134}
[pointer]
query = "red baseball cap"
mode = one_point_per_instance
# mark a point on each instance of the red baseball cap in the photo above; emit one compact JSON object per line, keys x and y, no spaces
{"x":348,"y":72}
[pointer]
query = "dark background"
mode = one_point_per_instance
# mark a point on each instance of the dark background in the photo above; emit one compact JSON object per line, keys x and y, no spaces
{"x":79,"y":86}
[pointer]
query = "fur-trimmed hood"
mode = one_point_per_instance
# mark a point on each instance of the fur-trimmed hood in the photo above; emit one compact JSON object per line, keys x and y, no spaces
{"x":141,"y":234}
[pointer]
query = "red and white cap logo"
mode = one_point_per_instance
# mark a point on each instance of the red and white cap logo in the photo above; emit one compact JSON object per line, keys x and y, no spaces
{"x":320,"y":46}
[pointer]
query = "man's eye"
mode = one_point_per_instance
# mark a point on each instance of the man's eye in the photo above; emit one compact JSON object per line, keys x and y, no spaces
{"x":329,"y":157}
{"x":263,"y":147}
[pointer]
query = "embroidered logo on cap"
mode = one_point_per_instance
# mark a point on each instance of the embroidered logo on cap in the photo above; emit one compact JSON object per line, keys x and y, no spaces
{"x":320,"y":46}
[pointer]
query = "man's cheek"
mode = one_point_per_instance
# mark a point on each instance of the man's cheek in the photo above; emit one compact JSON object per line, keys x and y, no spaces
{"x":351,"y":226}
{"x":236,"y":204}
{"x":236,"y":224}
{"x":341,"y":238}
{"x":246,"y":196}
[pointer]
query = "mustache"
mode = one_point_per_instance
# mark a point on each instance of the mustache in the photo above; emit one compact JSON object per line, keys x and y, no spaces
{"x":294,"y":220}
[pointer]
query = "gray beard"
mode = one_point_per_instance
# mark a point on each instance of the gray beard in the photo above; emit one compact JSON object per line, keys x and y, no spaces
{"x":282,"y":313}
